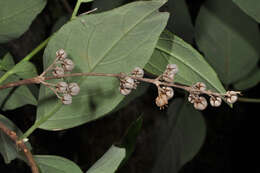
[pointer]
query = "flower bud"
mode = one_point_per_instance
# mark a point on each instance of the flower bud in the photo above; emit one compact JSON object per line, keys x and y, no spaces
{"x":138,"y":72}
{"x":128,"y":83}
{"x":172,"y":68}
{"x":124,"y":91}
{"x":58,"y":71}
{"x":61,"y":54}
{"x":62,"y":87}
{"x":192,"y":98}
{"x":231,"y":97}
{"x":215,"y":101}
{"x":169,"y":92}
{"x":168,"y":77}
{"x":161,"y":101}
{"x":74,"y":89}
{"x":66,"y":99}
{"x":67,"y":65}
{"x":200,"y":103}
{"x":200,"y":86}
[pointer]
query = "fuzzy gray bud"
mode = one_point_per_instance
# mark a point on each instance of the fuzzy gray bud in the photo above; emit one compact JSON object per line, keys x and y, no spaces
{"x":62,"y":87}
{"x":138,"y":72}
{"x":66,"y":99}
{"x":74,"y":89}
{"x":68,"y":65}
{"x":61,"y":54}
{"x":58,"y":71}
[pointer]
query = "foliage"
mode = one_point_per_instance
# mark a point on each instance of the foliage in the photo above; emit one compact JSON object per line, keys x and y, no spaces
{"x":118,"y":37}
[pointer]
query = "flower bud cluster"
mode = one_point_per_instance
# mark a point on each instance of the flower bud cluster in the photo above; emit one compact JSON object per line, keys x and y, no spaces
{"x":127,"y":83}
{"x":67,"y":91}
{"x":63,"y":64}
{"x":200,"y":102}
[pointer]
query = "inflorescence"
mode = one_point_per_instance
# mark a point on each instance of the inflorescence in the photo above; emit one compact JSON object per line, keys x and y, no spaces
{"x":164,"y":83}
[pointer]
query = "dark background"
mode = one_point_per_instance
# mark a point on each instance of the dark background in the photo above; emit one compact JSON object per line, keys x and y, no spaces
{"x":231,"y":144}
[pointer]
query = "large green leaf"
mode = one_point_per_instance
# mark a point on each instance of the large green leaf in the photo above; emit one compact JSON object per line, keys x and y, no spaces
{"x":55,"y":164}
{"x":16,"y":16}
{"x":192,"y":128}
{"x":129,"y":140}
{"x":180,"y":21}
{"x":110,"y":42}
{"x":229,"y":39}
{"x":170,"y":49}
{"x":109,"y":162}
{"x":250,"y":7}
{"x":8,"y":148}
{"x":12,"y":98}
{"x":249,"y":81}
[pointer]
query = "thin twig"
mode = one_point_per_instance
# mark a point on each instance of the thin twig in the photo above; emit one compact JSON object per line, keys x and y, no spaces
{"x":41,"y":79}
{"x":21,"y":145}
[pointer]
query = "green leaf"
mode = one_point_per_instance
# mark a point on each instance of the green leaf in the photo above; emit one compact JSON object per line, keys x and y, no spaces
{"x":249,"y":81}
{"x":228,"y":38}
{"x":130,"y":137}
{"x":56,"y":164}
{"x":170,"y":49}
{"x":12,"y":98}
{"x":8,"y":148}
{"x":109,"y":162}
{"x":25,"y":70}
{"x":110,"y":42}
{"x":250,"y":7}
{"x":192,"y":128}
{"x":16,"y":16}
{"x":167,"y":140}
{"x":180,"y":21}
{"x":6,"y":62}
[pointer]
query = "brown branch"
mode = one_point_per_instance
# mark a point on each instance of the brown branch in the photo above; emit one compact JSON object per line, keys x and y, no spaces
{"x":21,"y":145}
{"x":157,"y":82}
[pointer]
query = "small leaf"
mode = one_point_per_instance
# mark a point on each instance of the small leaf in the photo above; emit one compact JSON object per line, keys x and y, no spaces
{"x":111,"y":42}
{"x":250,"y":7}
{"x":16,"y":16}
{"x":7,"y":62}
{"x":193,"y":68}
{"x":228,"y":38}
{"x":129,"y":139}
{"x":180,"y":21}
{"x":192,"y":128}
{"x":109,"y":162}
{"x":249,"y":81}
{"x":56,"y":164}
{"x":12,"y":98}
{"x":25,"y":70}
{"x":8,"y":148}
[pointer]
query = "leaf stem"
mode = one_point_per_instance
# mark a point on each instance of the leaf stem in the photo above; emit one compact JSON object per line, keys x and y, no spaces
{"x":76,"y":9}
{"x":41,"y":121}
{"x":27,"y":58}
{"x":21,"y":145}
{"x":249,"y":100}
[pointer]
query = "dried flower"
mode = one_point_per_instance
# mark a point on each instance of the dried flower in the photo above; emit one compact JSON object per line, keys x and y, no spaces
{"x":61,"y":54}
{"x":192,"y":98}
{"x":169,"y":92}
{"x":62,"y":87}
{"x":68,"y":65}
{"x":215,"y":101}
{"x":58,"y":71}
{"x":127,"y":82}
{"x":124,"y":91}
{"x":74,"y":89}
{"x":200,"y":103}
{"x":161,"y":101}
{"x":200,"y":86}
{"x":172,"y":68}
{"x":66,"y":99}
{"x":231,"y":96}
{"x":138,"y":72}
